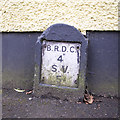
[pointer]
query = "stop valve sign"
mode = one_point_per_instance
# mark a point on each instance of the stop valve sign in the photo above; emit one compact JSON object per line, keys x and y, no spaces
{"x":60,"y":63}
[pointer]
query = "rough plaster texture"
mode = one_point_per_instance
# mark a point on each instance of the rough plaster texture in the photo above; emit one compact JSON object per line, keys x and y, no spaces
{"x":38,"y":15}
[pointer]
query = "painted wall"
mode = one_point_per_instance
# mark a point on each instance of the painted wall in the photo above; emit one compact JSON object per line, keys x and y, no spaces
{"x":102,"y":74}
{"x":18,"y":59}
{"x":37,"y":15}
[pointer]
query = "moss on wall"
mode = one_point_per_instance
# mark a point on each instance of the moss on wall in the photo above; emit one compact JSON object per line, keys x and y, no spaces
{"x":37,"y":15}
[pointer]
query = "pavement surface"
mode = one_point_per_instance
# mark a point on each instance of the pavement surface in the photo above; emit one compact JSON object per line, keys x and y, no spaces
{"x":20,"y":105}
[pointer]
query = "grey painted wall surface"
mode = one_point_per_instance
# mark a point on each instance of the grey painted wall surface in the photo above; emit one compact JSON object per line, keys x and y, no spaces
{"x":18,"y":61}
{"x":103,"y":62}
{"x":0,"y":61}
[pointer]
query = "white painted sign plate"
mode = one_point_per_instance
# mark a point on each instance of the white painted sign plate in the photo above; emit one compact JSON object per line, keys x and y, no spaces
{"x":60,"y":63}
